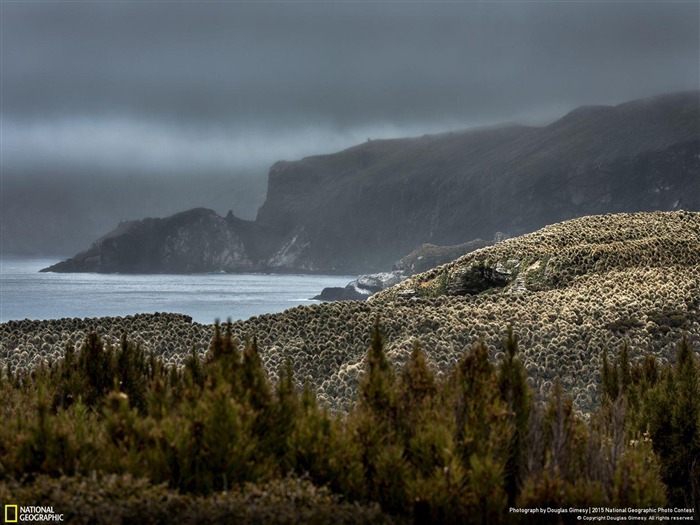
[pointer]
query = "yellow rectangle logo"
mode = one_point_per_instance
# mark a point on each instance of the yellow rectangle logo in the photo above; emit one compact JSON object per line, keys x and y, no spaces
{"x":11,"y":517}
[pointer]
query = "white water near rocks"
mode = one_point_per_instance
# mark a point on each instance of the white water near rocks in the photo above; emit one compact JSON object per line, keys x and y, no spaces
{"x":27,"y":294}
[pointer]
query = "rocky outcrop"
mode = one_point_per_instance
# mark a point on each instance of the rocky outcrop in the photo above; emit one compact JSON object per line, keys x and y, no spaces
{"x":359,"y":210}
{"x":198,"y":240}
{"x":293,"y":254}
{"x":424,"y":258}
{"x":429,"y":256}
{"x":338,"y":293}
{"x":362,"y":287}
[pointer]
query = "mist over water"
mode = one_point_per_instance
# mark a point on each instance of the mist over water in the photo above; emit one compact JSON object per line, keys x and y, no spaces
{"x":27,"y":294}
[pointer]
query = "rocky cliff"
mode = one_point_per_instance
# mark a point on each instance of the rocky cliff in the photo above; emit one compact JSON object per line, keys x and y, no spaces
{"x":198,"y":240}
{"x":359,"y":210}
{"x":363,"y":208}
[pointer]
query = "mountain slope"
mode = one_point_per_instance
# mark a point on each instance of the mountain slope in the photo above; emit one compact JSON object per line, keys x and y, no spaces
{"x":364,"y":207}
{"x":358,"y":210}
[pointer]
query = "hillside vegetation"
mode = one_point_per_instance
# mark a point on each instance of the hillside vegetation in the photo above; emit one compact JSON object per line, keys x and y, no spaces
{"x":109,"y":435}
{"x":570,"y":291}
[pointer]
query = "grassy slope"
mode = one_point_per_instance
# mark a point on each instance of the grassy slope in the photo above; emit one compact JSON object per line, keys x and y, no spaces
{"x":574,"y":289}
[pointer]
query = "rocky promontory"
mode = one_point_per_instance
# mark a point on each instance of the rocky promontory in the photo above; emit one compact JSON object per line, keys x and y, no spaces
{"x":362,"y":287}
{"x":197,"y":240}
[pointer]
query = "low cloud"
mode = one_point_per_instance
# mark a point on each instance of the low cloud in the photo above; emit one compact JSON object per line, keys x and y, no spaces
{"x":205,"y":86}
{"x":128,"y":145}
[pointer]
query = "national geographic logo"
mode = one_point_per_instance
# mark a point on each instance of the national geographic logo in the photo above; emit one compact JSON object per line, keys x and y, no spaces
{"x":11,"y":513}
{"x":17,"y":514}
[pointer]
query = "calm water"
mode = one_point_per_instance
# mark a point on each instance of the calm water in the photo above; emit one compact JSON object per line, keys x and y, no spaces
{"x":25,"y":293}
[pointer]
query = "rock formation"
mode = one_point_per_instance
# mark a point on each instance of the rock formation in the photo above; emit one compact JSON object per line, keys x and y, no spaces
{"x":424,"y":258}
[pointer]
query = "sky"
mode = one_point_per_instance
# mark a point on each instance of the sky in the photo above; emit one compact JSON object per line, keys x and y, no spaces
{"x":168,"y":105}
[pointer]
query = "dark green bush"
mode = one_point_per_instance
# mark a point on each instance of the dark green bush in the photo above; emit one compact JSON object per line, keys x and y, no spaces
{"x":664,"y":406}
{"x":459,"y":450}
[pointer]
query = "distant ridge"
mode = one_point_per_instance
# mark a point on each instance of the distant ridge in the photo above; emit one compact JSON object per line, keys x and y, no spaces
{"x":361,"y":209}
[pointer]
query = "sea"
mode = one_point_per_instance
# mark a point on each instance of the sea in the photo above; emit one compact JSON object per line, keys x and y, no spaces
{"x":27,"y":294}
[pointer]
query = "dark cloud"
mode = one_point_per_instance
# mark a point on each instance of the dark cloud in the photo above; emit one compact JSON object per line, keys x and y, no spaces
{"x":215,"y":87}
{"x":342,"y":63}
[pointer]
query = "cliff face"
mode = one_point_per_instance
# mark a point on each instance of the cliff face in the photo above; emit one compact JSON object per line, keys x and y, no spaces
{"x":361,"y":209}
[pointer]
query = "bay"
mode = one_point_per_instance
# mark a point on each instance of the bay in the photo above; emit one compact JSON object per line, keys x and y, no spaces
{"x":27,"y":294}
